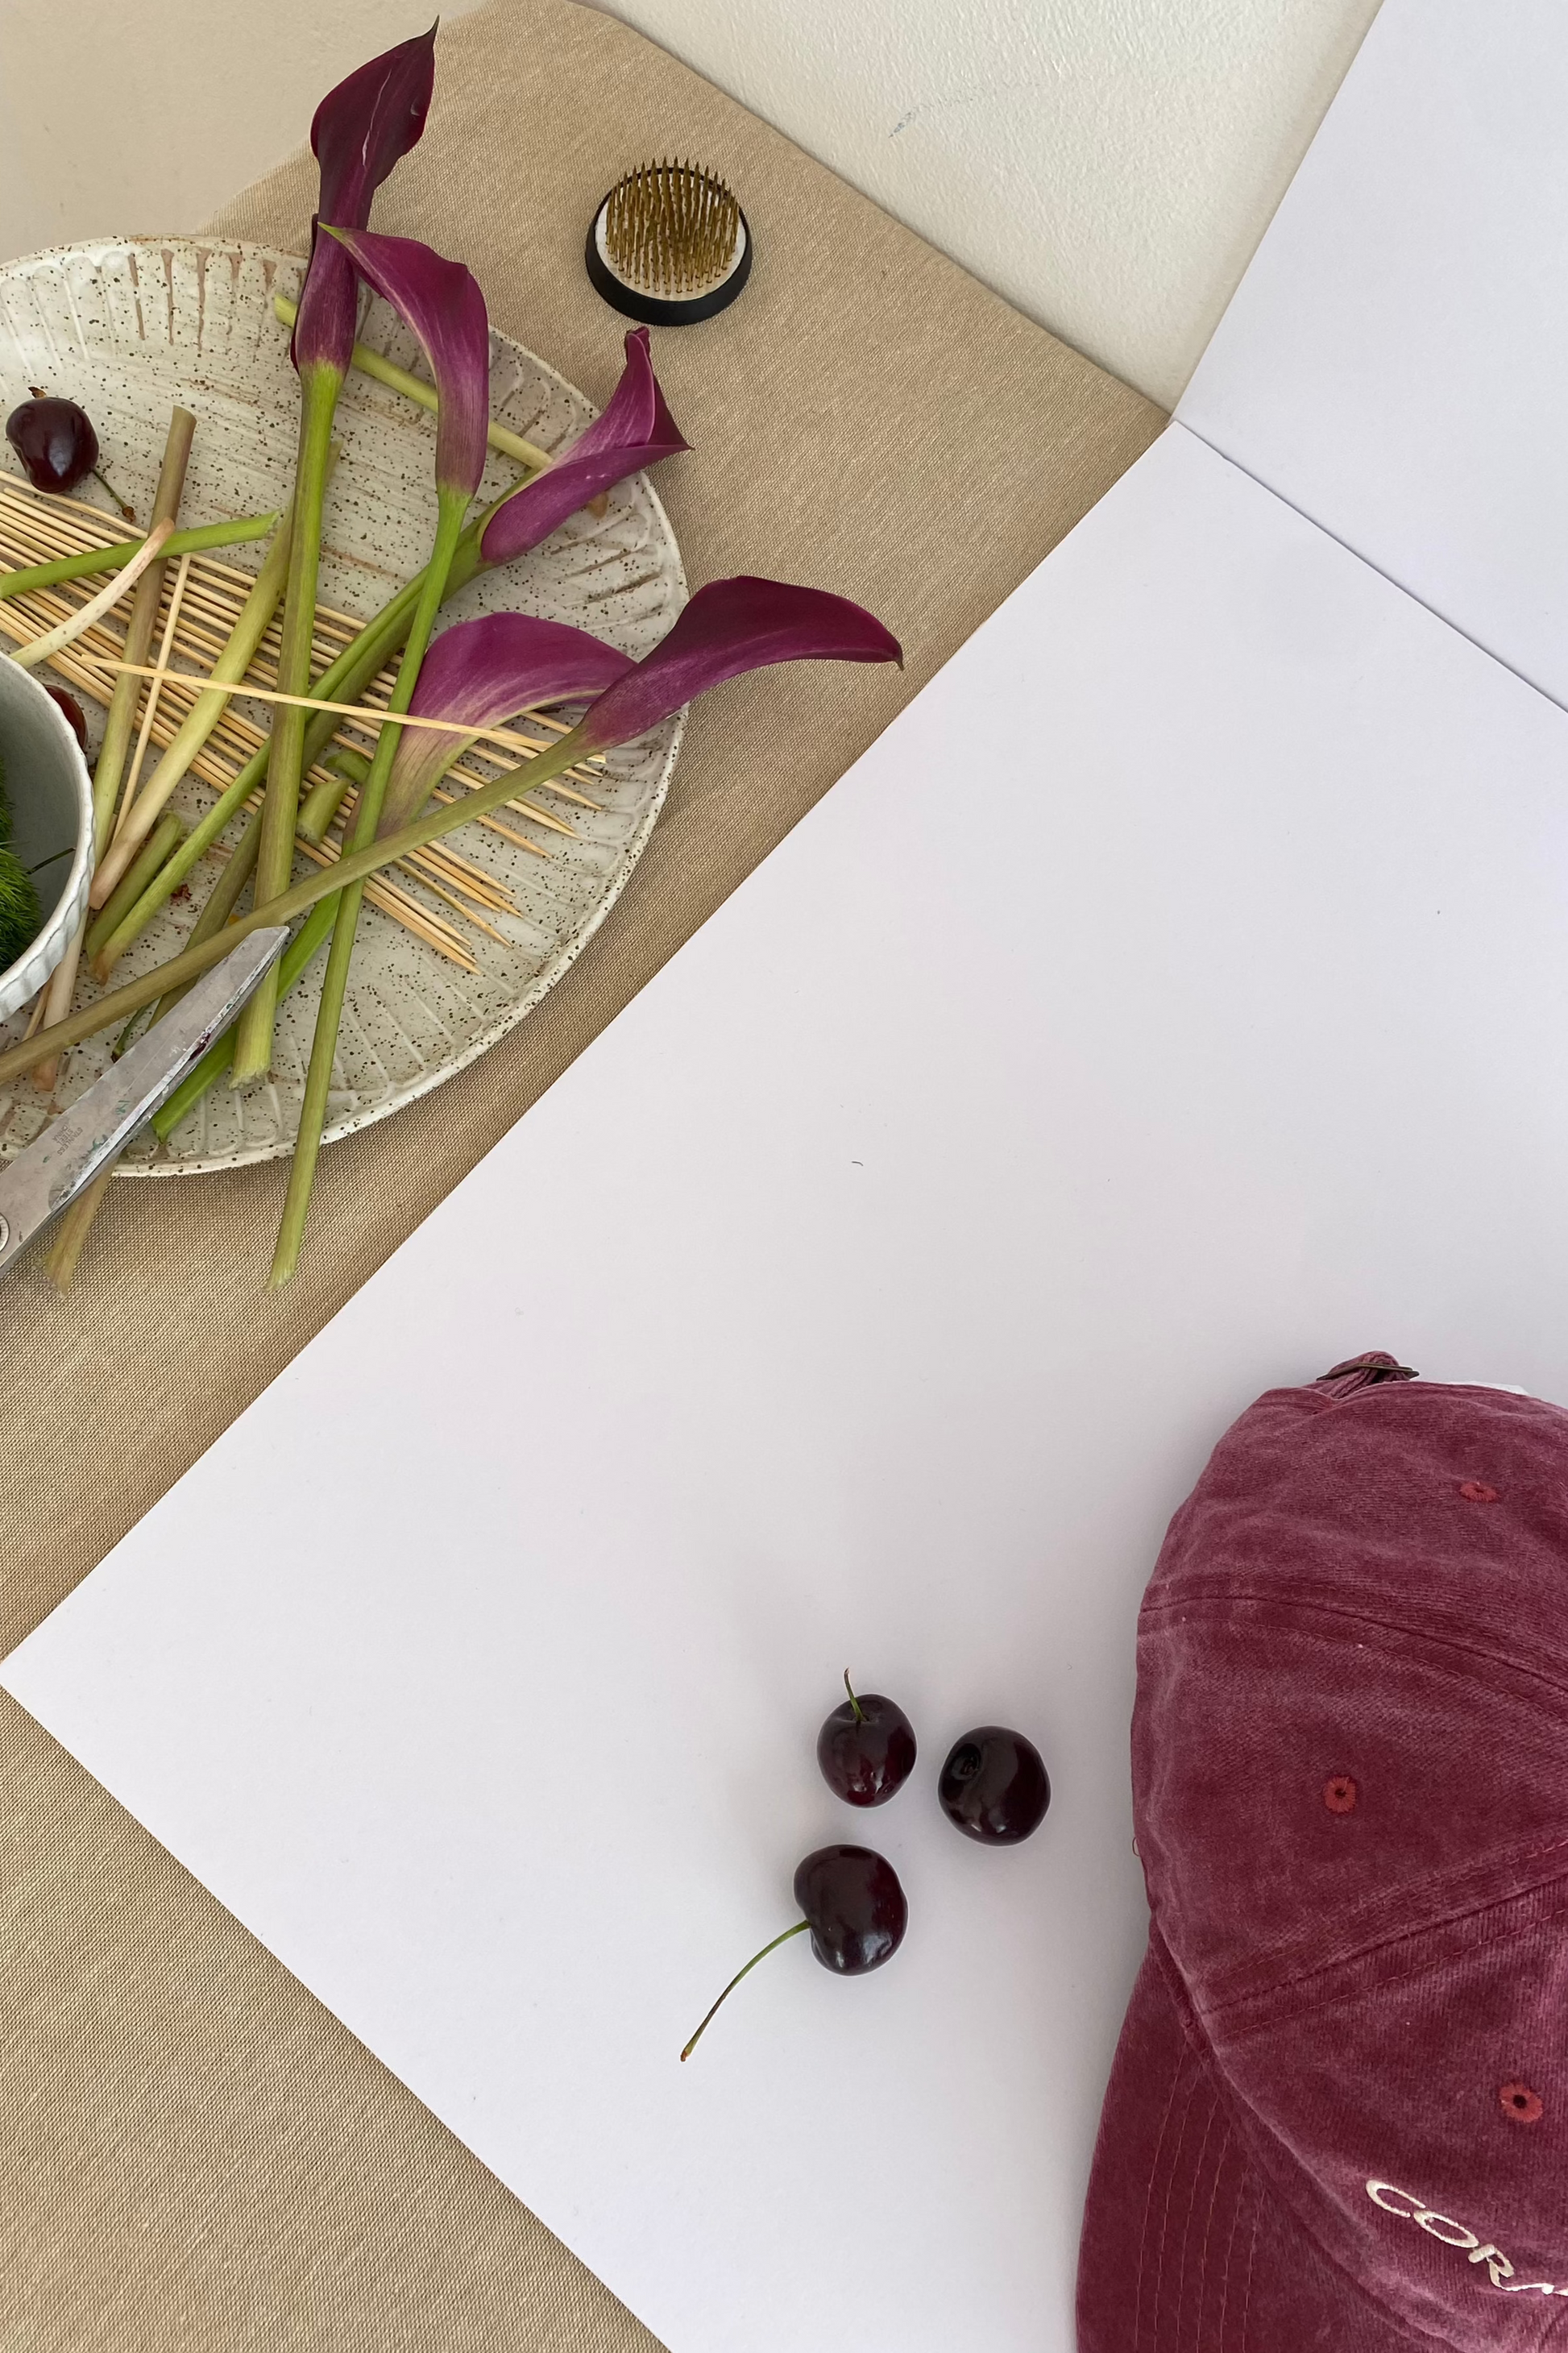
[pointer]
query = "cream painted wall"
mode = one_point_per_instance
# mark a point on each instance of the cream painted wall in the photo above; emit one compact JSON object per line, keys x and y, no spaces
{"x":124,"y":115}
{"x":1108,"y":165}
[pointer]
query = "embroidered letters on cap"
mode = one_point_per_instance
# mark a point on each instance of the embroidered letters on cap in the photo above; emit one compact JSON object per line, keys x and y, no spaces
{"x":1438,"y":2226}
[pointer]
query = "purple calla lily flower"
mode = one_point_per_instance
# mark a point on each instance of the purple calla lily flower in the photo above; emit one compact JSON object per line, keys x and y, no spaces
{"x":441,"y":303}
{"x":484,"y":671}
{"x":635,"y":430}
{"x":731,"y":626}
{"x":361,"y":130}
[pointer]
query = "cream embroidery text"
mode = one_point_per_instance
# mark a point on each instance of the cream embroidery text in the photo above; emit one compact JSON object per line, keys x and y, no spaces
{"x":1454,"y":2234}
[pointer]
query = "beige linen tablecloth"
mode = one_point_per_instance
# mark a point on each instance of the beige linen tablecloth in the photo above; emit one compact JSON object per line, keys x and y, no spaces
{"x":193,"y":2153}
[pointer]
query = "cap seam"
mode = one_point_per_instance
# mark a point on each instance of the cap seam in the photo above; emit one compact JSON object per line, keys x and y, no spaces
{"x":1149,"y":2200}
{"x":1303,"y":2000}
{"x":1227,"y":2137}
{"x":1422,"y":1635}
{"x":1215,"y":2111}
{"x":1512,"y":1875}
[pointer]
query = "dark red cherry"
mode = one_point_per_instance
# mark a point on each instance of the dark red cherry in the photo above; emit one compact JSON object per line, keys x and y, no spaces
{"x":866,"y":1748}
{"x":73,"y":712}
{"x":854,"y":1906}
{"x":855,"y":1915}
{"x":55,"y":441}
{"x":994,"y":1786}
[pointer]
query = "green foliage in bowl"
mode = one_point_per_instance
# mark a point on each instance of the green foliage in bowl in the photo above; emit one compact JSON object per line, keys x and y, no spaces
{"x":21,"y":916}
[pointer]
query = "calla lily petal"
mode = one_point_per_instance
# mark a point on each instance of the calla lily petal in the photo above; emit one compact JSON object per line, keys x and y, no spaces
{"x":368,"y":123}
{"x":731,"y":626}
{"x":441,"y":303}
{"x":361,"y":130}
{"x":484,"y":671}
{"x":635,"y":430}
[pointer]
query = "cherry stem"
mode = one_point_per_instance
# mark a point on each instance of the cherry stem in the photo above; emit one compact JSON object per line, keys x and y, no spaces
{"x":798,"y":1930}
{"x":128,"y":511}
{"x":860,"y":1711}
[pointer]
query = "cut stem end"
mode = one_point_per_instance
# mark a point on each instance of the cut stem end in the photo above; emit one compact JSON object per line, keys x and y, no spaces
{"x":798,"y":1930}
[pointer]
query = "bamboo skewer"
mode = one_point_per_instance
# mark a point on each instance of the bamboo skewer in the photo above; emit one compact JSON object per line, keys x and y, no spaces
{"x":414,"y":917}
{"x":439,"y":858}
{"x":367,"y":715}
{"x":150,"y":709}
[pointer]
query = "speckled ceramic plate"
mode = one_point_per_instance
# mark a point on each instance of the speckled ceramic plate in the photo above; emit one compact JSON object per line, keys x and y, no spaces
{"x":131,"y":326}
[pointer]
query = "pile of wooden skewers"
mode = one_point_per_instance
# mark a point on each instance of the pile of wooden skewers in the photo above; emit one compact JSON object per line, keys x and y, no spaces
{"x":199,"y":602}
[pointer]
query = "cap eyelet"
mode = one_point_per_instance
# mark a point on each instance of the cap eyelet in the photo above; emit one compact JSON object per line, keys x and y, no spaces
{"x":1476,"y":1491}
{"x":1340,"y":1794}
{"x":1521,"y":2105}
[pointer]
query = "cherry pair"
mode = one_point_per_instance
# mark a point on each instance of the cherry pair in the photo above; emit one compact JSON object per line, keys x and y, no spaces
{"x":994,"y":1785}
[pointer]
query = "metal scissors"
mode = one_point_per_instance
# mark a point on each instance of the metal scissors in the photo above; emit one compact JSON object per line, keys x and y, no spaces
{"x":40,"y":1182}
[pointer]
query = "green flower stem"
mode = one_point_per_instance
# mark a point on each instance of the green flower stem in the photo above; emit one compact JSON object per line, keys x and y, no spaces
{"x":306,"y":944}
{"x":198,"y":722}
{"x":499,"y":437}
{"x":70,"y":1235}
{"x":453,"y":506}
{"x":119,"y":1004}
{"x":77,"y":1223}
{"x":110,"y":767}
{"x":122,"y":702}
{"x":319,"y":389}
{"x":90,"y":560}
{"x":167,"y":833}
{"x":221,"y":902}
{"x":320,"y":806}
{"x":344,"y":681}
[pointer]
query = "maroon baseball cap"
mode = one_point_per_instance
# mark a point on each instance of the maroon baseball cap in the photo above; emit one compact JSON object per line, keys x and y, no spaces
{"x":1338,"y":2116}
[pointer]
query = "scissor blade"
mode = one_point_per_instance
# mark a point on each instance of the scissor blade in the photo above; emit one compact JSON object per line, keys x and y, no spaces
{"x":72,"y":1149}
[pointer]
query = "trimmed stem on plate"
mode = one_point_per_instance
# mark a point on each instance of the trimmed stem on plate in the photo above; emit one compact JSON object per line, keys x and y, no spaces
{"x":367,"y":815}
{"x":110,"y":767}
{"x":87,"y":561}
{"x":346,"y":770}
{"x":199,"y":721}
{"x":306,"y":944}
{"x":110,"y":771}
{"x":36,"y":651}
{"x":167,"y":833}
{"x":319,"y":387}
{"x":71,"y":1236}
{"x":346,"y":677}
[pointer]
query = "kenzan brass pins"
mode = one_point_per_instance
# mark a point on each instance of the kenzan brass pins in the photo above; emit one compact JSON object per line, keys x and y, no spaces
{"x":669,"y":245}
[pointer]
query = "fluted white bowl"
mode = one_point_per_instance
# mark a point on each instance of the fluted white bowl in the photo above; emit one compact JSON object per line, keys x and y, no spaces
{"x":51,"y":805}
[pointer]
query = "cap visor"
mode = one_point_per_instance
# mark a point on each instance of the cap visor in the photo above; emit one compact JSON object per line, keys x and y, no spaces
{"x":1184,"y":2248}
